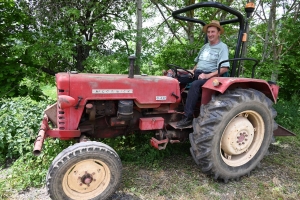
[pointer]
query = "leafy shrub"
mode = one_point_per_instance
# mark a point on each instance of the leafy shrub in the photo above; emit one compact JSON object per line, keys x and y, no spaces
{"x":288,"y":114}
{"x":19,"y":122}
{"x":30,"y":170}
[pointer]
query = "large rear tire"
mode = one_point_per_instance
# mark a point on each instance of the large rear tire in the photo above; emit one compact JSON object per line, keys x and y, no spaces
{"x":232,"y":133}
{"x":87,"y":170}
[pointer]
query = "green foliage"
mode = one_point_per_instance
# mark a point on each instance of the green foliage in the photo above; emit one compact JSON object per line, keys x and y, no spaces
{"x":178,"y":54}
{"x":30,"y":170}
{"x":19,"y":122}
{"x":288,"y":114}
{"x":289,"y":71}
{"x":15,"y":39}
{"x":50,"y":91}
{"x":136,"y":149}
{"x":116,"y":63}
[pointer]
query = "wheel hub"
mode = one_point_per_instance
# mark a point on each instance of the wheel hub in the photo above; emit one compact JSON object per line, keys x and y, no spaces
{"x":238,"y":136}
{"x":86,"y":177}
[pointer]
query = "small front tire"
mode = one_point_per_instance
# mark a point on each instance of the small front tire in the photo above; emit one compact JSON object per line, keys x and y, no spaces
{"x":87,"y":170}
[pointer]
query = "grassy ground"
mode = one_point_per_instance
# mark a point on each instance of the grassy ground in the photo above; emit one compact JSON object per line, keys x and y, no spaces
{"x":178,"y":177}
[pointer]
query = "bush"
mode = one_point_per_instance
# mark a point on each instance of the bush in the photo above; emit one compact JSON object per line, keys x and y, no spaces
{"x":19,"y":122}
{"x":288,"y":114}
{"x":30,"y":170}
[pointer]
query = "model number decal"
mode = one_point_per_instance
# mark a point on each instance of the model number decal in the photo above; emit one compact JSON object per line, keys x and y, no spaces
{"x":112,"y":91}
{"x":161,"y":98}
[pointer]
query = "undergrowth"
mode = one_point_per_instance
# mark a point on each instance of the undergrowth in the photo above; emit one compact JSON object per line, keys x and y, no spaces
{"x":136,"y":149}
{"x":288,"y":115}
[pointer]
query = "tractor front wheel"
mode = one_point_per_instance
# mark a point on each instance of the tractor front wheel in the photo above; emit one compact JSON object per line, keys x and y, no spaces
{"x":233,"y":133}
{"x":87,"y":170}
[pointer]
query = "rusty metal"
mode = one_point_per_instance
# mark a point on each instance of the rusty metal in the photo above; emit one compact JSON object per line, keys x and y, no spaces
{"x":51,"y":113}
{"x":159,"y":144}
{"x":63,"y":134}
{"x":38,"y":144}
{"x":114,"y":121}
{"x":281,"y":131}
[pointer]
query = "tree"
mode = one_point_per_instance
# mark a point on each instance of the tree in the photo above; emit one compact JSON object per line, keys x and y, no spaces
{"x":74,"y":29}
{"x":16,"y":65}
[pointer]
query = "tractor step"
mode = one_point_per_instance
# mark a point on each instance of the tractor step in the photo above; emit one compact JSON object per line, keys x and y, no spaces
{"x":173,"y":124}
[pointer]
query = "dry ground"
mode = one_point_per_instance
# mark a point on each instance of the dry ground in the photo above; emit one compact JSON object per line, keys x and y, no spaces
{"x":178,"y":177}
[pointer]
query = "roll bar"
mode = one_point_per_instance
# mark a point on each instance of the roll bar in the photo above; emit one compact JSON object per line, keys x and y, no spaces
{"x":239,"y":19}
{"x":239,"y":59}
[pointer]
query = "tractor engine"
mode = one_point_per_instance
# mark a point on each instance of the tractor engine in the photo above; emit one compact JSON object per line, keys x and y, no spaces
{"x":108,"y":118}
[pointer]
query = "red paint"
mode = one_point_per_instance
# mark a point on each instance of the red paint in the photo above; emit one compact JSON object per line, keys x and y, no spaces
{"x":271,"y":91}
{"x":151,"y":123}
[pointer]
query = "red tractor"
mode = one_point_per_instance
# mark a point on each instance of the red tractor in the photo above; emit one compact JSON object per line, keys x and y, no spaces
{"x":230,"y":135}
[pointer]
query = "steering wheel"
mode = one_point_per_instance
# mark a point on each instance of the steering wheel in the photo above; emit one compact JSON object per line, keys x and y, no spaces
{"x":174,"y":68}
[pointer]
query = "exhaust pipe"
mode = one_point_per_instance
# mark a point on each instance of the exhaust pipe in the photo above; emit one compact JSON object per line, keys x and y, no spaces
{"x":39,"y":141}
{"x":131,"y":66}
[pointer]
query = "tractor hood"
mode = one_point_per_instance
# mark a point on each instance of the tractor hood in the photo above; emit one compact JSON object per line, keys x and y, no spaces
{"x":142,"y":89}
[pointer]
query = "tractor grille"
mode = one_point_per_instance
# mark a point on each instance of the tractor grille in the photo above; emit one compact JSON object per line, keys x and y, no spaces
{"x":61,"y":119}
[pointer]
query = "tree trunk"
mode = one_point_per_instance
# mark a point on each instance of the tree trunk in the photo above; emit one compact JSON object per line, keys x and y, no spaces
{"x":138,"y":37}
{"x":190,"y":28}
{"x":270,"y":30}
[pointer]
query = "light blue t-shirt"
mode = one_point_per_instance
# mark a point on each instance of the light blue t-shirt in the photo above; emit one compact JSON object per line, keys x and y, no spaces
{"x":210,"y":56}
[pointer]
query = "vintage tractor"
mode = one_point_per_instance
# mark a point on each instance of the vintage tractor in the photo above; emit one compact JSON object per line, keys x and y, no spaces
{"x":230,"y":135}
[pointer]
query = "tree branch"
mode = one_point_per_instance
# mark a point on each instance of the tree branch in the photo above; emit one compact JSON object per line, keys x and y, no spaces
{"x":174,"y":34}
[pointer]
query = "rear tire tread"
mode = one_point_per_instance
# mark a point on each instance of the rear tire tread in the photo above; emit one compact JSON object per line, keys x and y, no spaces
{"x":214,"y":113}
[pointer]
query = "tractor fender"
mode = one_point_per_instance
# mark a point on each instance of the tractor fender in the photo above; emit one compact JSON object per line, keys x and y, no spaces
{"x":221,"y":84}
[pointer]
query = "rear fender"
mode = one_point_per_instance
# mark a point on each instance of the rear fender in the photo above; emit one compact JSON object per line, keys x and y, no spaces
{"x":221,"y":84}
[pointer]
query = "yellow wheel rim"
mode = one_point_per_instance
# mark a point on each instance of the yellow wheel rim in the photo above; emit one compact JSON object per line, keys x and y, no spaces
{"x":86,"y":179}
{"x":242,"y":138}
